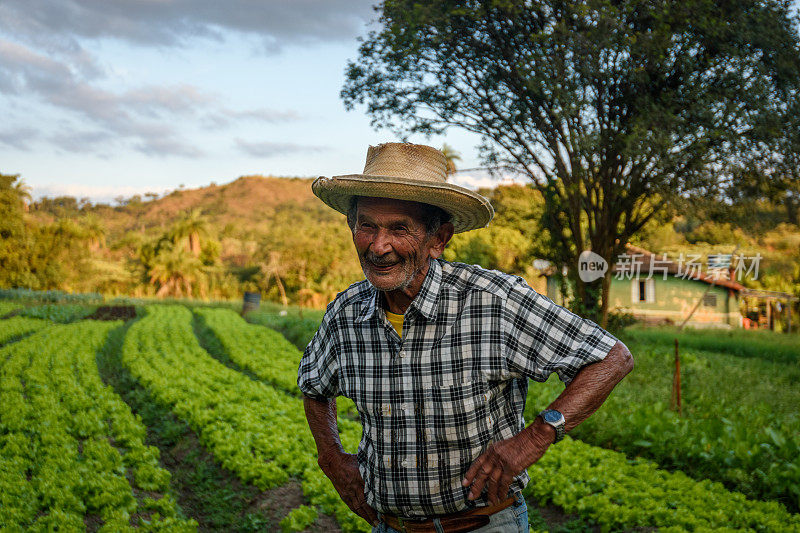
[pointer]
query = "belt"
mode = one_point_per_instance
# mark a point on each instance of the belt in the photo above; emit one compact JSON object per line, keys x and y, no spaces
{"x":453,"y":523}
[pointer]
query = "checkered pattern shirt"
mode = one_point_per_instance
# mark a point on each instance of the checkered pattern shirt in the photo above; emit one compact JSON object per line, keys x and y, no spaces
{"x":432,"y":402}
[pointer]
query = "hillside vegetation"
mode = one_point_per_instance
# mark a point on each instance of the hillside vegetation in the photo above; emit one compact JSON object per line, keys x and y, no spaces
{"x":271,"y":235}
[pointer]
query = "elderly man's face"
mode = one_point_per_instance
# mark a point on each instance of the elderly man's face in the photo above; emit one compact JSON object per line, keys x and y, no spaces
{"x":392,"y":243}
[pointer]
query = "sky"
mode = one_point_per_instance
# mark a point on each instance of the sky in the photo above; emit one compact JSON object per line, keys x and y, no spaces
{"x":102,"y":98}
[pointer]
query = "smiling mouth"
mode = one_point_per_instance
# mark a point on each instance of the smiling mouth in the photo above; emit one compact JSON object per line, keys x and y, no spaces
{"x":383,"y":268}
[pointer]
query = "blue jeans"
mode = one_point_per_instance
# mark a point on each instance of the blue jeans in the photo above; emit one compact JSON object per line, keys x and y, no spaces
{"x":513,"y":519}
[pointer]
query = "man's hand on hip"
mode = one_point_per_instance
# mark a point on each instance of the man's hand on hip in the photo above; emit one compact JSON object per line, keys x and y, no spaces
{"x":343,"y":472}
{"x":496,"y":468}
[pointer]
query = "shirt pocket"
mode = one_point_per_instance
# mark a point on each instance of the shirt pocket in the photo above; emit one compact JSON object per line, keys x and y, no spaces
{"x":458,"y":419}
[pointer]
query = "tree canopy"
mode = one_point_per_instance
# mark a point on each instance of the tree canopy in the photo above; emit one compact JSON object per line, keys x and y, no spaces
{"x":610,"y":108}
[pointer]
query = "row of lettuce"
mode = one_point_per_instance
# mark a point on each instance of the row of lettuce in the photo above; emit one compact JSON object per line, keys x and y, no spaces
{"x":71,"y":451}
{"x":248,"y":414}
{"x":252,"y":428}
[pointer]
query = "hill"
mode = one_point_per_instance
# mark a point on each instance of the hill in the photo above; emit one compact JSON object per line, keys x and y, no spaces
{"x":246,"y":201}
{"x":270,"y":234}
{"x":255,"y":233}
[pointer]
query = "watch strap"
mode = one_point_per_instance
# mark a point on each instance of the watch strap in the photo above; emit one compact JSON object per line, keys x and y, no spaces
{"x":558,"y":426}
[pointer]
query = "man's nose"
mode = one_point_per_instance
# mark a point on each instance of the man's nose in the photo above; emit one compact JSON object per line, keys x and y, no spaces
{"x":381,"y":244}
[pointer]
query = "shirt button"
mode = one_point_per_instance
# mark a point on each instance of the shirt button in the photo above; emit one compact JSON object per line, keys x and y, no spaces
{"x":402,"y":353}
{"x":405,"y":462}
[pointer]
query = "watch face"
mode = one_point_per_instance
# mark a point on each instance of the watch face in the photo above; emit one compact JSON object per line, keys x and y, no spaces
{"x":552,"y":417}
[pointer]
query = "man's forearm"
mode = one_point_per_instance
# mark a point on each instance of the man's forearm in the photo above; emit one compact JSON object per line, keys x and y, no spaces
{"x":340,"y":467}
{"x":321,"y":416}
{"x":588,"y":390}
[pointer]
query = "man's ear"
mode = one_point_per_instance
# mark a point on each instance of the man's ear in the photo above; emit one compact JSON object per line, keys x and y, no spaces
{"x":440,"y":239}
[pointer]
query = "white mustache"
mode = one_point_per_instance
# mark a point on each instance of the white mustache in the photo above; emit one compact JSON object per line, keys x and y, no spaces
{"x":378,"y":261}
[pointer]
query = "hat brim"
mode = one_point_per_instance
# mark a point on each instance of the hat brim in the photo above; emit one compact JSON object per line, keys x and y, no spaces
{"x":468,"y":209}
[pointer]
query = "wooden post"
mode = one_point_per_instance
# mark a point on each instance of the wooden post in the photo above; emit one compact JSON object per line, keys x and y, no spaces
{"x":769,"y":314}
{"x":789,"y":316}
{"x":676,"y":383}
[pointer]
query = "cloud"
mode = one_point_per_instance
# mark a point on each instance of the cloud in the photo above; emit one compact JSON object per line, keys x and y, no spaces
{"x":79,"y":141}
{"x":142,"y":116}
{"x":172,"y":22}
{"x":18,"y":138}
{"x":44,"y":55}
{"x":97,"y":193}
{"x":271,"y":149}
{"x":225,"y":117}
{"x":136,"y":115}
{"x":478,"y":179}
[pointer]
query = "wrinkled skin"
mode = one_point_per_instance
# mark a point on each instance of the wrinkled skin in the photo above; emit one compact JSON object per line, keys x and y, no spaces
{"x":394,"y":248}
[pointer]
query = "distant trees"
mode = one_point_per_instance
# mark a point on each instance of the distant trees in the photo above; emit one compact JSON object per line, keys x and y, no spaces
{"x":179,"y":261}
{"x":14,"y":268}
{"x":59,"y":206}
{"x":297,"y":250}
{"x":451,"y":156}
{"x":306,"y":254}
{"x":35,"y":255}
{"x":273,"y":268}
{"x":512,"y":240}
{"x":611,"y":109}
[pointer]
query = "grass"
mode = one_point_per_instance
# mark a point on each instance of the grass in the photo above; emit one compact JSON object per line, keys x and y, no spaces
{"x":295,"y":323}
{"x":61,"y":313}
{"x":755,"y":344}
{"x":7,"y":306}
{"x":711,"y":378}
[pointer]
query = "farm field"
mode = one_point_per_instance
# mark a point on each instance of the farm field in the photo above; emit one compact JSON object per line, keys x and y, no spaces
{"x":185,"y":419}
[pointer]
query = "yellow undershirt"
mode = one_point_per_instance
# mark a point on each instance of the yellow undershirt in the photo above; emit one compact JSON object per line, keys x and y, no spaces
{"x":396,"y":321}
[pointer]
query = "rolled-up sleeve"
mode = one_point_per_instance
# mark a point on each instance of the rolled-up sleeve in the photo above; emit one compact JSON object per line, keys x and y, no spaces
{"x":318,"y":375}
{"x":542,"y":337}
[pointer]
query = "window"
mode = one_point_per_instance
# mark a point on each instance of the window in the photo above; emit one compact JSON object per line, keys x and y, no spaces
{"x":643,"y":290}
{"x":710,"y":299}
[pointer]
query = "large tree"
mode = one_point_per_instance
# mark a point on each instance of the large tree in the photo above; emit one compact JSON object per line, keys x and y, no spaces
{"x":772,"y":171}
{"x":610,"y":108}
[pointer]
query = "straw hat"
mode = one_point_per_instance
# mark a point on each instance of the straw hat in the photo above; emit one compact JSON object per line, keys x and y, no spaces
{"x":406,"y":171}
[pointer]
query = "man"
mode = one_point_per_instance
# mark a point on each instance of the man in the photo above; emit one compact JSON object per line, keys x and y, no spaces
{"x":437,"y":357}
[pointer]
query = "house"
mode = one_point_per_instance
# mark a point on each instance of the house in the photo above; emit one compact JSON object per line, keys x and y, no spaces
{"x":658,"y":290}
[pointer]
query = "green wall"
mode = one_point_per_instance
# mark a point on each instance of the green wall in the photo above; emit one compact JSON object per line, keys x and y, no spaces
{"x":674,"y":299}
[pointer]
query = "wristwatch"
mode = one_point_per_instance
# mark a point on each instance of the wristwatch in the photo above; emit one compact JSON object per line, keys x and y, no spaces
{"x":555,"y":419}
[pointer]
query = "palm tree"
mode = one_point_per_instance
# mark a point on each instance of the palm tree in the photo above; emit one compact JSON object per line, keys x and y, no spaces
{"x":174,"y":271}
{"x":192,"y":227}
{"x":451,"y":156}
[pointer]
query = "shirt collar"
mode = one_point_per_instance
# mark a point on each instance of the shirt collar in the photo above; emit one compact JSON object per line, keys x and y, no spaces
{"x":426,"y":301}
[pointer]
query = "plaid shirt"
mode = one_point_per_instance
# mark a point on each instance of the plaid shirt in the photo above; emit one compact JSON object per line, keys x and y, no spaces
{"x":432,"y":402}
